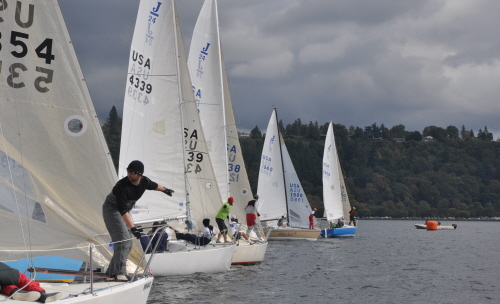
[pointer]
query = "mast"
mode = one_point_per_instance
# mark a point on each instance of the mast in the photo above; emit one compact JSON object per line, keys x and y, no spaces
{"x":181,"y":104}
{"x":283,"y":167}
{"x":228,"y":190}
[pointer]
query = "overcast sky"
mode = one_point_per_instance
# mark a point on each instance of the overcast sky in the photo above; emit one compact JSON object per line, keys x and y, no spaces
{"x":355,"y":62}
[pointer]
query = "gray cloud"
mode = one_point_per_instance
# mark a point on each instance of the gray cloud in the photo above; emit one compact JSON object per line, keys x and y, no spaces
{"x":416,"y":63}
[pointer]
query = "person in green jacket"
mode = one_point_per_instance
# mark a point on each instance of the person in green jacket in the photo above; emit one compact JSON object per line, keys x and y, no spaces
{"x":220,"y":218}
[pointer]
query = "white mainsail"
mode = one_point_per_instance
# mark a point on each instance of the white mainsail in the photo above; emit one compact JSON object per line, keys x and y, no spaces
{"x":271,"y":184}
{"x":204,"y":63}
{"x":161,"y":126}
{"x":208,"y":75}
{"x":55,"y":168}
{"x":331,"y":183}
{"x":279,"y":187}
{"x":334,"y":193}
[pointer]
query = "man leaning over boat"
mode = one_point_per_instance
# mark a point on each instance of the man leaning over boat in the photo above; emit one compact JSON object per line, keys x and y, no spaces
{"x":116,"y":213}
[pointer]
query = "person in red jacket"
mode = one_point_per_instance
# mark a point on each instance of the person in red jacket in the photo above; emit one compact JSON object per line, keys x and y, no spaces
{"x":19,"y":287}
{"x":351,"y":217}
{"x":311,"y":219}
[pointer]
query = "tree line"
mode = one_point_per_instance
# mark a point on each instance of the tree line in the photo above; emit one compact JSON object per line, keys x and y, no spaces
{"x":388,"y":172}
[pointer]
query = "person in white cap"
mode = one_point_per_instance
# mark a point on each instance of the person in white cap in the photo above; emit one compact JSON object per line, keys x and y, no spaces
{"x":311,"y":219}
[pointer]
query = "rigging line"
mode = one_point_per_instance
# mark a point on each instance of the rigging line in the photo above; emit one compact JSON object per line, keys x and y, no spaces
{"x":67,"y":248}
{"x":30,"y":261}
{"x":14,"y":190}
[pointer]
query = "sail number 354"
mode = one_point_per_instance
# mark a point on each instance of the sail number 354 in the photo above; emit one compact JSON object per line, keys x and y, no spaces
{"x":21,"y":44}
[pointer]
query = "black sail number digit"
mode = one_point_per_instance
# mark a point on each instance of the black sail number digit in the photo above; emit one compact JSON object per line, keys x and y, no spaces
{"x":15,"y":40}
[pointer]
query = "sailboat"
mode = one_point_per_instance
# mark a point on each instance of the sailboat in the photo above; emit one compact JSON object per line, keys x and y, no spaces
{"x":209,"y":79}
{"x":161,"y":127}
{"x":55,"y":167}
{"x":280,"y":191}
{"x":335,"y":197}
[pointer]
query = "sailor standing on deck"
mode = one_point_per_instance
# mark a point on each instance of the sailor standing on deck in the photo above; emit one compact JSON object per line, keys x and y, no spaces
{"x":117,"y":218}
{"x":311,"y":218}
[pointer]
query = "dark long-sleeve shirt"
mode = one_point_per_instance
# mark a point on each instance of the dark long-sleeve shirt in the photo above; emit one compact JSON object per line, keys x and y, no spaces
{"x":127,"y":193}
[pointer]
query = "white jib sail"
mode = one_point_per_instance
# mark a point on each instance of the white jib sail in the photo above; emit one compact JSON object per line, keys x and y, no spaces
{"x":207,"y":69}
{"x":161,"y":126}
{"x":55,"y":168}
{"x":346,"y":205}
{"x":298,"y":205}
{"x":271,"y":187}
{"x":332,"y":193}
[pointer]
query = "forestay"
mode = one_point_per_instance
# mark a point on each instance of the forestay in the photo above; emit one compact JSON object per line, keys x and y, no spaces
{"x":161,"y":126}
{"x":55,"y":168}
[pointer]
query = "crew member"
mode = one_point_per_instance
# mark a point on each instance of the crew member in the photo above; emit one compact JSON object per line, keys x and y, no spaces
{"x":116,"y":213}
{"x":311,"y":218}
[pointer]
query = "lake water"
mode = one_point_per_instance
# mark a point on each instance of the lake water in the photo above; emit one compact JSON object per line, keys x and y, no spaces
{"x":387,"y":262}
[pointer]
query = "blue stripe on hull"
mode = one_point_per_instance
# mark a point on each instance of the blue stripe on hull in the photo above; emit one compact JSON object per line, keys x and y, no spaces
{"x":339,"y":232}
{"x":50,"y":261}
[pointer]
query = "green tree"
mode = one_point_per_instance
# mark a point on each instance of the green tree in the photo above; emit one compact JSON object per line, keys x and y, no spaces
{"x":438,"y":133}
{"x":112,"y":130}
{"x":397,"y":131}
{"x":415,"y":135}
{"x":255,"y":133}
{"x":452,"y":132}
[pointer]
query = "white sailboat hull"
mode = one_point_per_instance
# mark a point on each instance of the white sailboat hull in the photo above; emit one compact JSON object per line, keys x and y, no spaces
{"x":205,"y":259}
{"x":249,"y":254}
{"x":284,"y":234}
{"x":104,"y":292}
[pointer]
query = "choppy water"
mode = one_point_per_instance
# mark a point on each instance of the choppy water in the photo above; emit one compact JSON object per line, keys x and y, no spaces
{"x":387,"y":262}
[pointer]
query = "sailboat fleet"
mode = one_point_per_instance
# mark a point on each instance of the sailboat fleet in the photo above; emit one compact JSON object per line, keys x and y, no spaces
{"x":177,"y":119}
